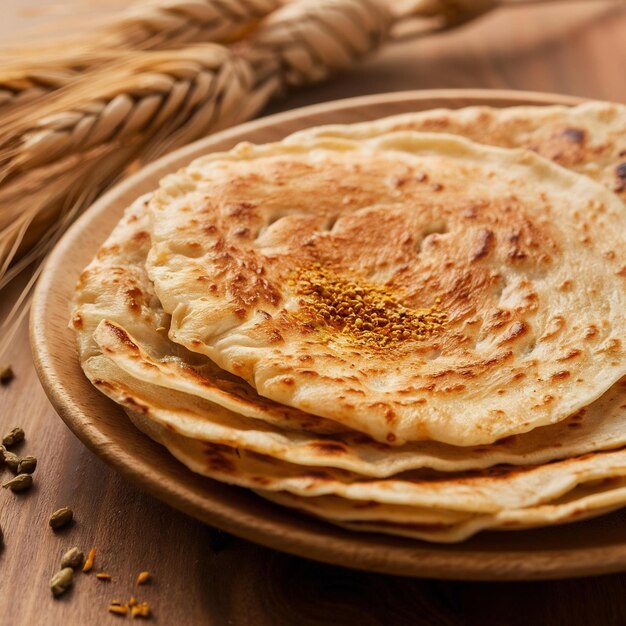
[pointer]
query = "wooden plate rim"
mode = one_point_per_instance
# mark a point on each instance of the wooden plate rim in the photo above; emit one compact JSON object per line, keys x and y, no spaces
{"x":230,"y":508}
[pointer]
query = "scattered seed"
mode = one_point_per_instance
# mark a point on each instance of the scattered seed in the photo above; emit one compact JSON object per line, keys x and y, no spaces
{"x":62,"y":581}
{"x":61,"y":518}
{"x":91,"y":556}
{"x":72,"y":558}
{"x":132,"y":601}
{"x":103,"y":576}
{"x":15,"y":436}
{"x":6,"y":373}
{"x":27,"y":465}
{"x":118,"y":609}
{"x":143,"y":578}
{"x":140,"y":610}
{"x":21,"y":482}
{"x":11,"y":460}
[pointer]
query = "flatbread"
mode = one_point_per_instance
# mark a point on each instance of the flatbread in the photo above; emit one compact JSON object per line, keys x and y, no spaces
{"x":507,"y":313}
{"x":589,"y":138}
{"x":115,"y":286}
{"x":570,"y":492}
{"x":176,"y":403}
{"x":486,"y":491}
{"x":522,"y":519}
{"x":583,"y":502}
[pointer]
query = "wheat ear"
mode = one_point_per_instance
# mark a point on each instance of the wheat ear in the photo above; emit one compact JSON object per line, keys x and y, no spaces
{"x":27,"y":73}
{"x":159,"y":101}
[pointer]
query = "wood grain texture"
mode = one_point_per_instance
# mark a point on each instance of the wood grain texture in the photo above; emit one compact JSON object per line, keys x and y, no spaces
{"x":567,"y":48}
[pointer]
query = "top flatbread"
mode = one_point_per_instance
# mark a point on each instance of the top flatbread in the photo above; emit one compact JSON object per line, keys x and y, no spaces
{"x":191,"y":400}
{"x":411,"y":286}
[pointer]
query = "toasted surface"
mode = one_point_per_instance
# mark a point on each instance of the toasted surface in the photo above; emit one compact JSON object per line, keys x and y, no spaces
{"x":486,"y":491}
{"x":553,"y":494}
{"x":589,"y":138}
{"x":585,"y":501}
{"x":127,"y":379}
{"x":409,"y":286}
{"x":154,"y":373}
{"x":115,"y":287}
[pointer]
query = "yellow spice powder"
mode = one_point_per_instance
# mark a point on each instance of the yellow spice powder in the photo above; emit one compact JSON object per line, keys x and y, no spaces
{"x":363,"y":311}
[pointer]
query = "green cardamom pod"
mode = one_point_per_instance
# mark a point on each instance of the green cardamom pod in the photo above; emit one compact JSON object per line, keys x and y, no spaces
{"x":11,"y":460}
{"x":14,"y":437}
{"x":21,"y":482}
{"x":72,"y":558}
{"x":27,"y":465}
{"x":62,"y":581}
{"x":61,"y":518}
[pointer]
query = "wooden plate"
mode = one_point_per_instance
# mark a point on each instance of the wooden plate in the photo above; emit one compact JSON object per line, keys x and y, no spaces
{"x":592,"y":547}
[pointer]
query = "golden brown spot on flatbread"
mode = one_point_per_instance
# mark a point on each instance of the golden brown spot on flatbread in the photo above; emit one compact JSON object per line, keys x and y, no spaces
{"x":485,"y":244}
{"x":140,"y":235}
{"x":565,"y":146}
{"x":122,"y":336}
{"x":136,"y":406}
{"x":132,"y":295}
{"x":370,"y":504}
{"x":572,"y":354}
{"x":328,"y":447}
{"x":517,"y":330}
{"x":216,"y":457}
{"x":562,"y":375}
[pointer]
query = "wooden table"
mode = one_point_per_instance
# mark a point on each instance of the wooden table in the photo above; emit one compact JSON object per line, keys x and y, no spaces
{"x":203,"y":577}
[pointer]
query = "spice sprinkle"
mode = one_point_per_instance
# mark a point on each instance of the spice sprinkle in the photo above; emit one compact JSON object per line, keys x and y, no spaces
{"x":363,"y":311}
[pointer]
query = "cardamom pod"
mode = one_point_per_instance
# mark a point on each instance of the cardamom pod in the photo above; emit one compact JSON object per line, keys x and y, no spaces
{"x":61,"y":518}
{"x":21,"y":482}
{"x":61,"y":581}
{"x":72,"y":558}
{"x":11,"y":460}
{"x":27,"y":465}
{"x":15,"y":436}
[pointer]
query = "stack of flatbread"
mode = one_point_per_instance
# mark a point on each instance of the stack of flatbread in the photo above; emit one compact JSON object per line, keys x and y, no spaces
{"x":413,"y":326}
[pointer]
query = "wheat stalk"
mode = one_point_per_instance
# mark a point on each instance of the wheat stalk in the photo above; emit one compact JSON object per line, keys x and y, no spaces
{"x":146,"y":106}
{"x":312,"y":39}
{"x":162,"y":24}
{"x":27,"y":73}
